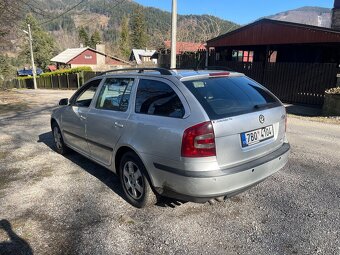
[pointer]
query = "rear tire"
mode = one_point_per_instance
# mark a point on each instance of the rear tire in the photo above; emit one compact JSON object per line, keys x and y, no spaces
{"x":135,"y":182}
{"x":59,"y":144}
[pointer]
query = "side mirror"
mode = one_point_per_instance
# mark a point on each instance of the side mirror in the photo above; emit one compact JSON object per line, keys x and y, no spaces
{"x":63,"y":101}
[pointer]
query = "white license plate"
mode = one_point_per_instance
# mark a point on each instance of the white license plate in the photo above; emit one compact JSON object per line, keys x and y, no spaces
{"x":257,"y":135}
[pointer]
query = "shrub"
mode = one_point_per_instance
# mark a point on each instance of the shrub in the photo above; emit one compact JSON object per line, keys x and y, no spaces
{"x":333,"y":91}
{"x":65,"y":71}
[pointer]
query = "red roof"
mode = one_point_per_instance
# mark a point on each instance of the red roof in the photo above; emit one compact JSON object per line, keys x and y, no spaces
{"x":52,"y":67}
{"x":185,"y":46}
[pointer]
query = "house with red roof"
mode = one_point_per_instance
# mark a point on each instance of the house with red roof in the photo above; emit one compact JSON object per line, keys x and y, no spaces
{"x":97,"y":59}
{"x":183,"y":47}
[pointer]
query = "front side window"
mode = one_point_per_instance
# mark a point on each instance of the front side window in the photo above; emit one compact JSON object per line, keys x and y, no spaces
{"x":85,"y":97}
{"x":115,"y":94}
{"x":158,"y":98}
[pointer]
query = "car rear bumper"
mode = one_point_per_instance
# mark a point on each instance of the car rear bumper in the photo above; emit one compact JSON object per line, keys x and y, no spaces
{"x":202,"y":186}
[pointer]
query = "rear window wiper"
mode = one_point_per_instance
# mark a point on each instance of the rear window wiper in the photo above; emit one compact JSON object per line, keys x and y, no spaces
{"x":259,"y":106}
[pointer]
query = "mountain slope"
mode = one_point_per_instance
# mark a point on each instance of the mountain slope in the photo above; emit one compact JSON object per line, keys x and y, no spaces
{"x":106,"y":16}
{"x":309,"y":15}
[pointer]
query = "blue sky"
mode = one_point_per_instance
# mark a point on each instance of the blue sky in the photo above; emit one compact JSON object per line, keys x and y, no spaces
{"x":239,"y":11}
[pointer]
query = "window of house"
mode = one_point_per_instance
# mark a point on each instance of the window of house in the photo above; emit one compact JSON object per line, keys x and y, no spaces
{"x":218,"y":56}
{"x":115,"y":94}
{"x":234,"y":55}
{"x":272,"y":56}
{"x":146,"y":59}
{"x":88,"y":57}
{"x":158,"y":98}
{"x":243,"y":56}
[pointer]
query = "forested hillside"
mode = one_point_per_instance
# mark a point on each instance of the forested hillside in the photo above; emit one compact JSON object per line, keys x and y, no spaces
{"x":106,"y":17}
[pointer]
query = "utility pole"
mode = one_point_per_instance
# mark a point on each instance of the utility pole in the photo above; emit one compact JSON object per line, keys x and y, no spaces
{"x":32,"y":57}
{"x":173,"y":34}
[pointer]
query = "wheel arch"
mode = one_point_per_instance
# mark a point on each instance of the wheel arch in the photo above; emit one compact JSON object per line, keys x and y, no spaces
{"x":118,"y":156}
{"x":53,"y":121}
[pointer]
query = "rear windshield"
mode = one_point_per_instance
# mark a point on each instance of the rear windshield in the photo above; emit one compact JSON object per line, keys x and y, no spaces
{"x":229,"y":96}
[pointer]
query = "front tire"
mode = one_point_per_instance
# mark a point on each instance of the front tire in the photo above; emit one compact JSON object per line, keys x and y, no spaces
{"x":59,"y":144}
{"x":134,"y":181}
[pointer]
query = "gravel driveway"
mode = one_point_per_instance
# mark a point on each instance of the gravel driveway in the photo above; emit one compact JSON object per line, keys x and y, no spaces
{"x":50,"y":204}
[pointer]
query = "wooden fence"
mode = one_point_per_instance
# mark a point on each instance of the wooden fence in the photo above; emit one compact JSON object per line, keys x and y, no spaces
{"x":184,"y":61}
{"x":303,"y":83}
{"x":65,"y":81}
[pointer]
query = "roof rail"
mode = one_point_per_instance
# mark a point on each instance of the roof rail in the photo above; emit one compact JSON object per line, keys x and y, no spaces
{"x":162,"y":71}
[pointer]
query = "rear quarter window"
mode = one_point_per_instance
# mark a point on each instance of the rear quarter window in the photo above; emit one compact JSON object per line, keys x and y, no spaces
{"x":158,"y":98}
{"x":230,"y":96}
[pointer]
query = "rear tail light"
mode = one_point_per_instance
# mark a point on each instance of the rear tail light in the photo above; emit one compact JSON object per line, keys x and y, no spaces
{"x":199,"y":141}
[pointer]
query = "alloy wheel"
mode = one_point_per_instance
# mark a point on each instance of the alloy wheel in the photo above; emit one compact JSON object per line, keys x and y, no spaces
{"x":57,"y":138}
{"x":133,"y":180}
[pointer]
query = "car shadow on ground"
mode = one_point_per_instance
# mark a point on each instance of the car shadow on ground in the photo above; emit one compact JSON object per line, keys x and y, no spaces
{"x":15,"y":244}
{"x":304,"y":110}
{"x":104,"y":175}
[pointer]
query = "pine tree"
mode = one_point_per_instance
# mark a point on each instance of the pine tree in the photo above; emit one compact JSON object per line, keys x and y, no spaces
{"x":43,"y":44}
{"x":124,"y":41}
{"x":95,"y":39}
{"x":138,"y":27}
{"x":83,"y":37}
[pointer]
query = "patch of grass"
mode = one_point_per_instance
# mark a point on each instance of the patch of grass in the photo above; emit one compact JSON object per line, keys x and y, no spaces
{"x":7,"y":177}
{"x":3,"y":154}
{"x":126,"y":219}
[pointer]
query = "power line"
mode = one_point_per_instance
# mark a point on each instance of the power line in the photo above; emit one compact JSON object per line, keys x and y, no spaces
{"x":62,"y":14}
{"x":32,"y":8}
{"x":93,"y":19}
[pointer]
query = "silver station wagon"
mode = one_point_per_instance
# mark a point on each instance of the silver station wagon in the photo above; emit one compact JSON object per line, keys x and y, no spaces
{"x":191,"y":135}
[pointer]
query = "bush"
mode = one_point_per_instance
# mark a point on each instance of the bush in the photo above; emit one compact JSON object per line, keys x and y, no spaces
{"x":65,"y":71}
{"x":334,"y":91}
{"x":60,"y":72}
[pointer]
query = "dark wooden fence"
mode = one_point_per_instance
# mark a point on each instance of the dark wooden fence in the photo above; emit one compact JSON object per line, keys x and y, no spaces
{"x":184,"y":61}
{"x":65,"y":81}
{"x":303,"y":83}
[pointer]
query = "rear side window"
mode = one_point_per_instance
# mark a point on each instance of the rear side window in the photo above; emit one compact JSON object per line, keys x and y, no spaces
{"x":229,"y":96}
{"x":158,"y":98}
{"x":115,"y":94}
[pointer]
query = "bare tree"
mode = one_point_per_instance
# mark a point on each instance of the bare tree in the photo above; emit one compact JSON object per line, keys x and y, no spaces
{"x":208,"y":28}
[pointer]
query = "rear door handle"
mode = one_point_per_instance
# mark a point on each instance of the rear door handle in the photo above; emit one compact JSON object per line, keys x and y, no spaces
{"x":119,"y":125}
{"x":82,"y":117}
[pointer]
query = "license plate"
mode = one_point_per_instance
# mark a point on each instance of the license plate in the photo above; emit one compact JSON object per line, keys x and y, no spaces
{"x":257,"y":135}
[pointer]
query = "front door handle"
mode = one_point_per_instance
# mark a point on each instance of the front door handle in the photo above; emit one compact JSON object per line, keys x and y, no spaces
{"x":119,"y":125}
{"x":82,"y":117}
